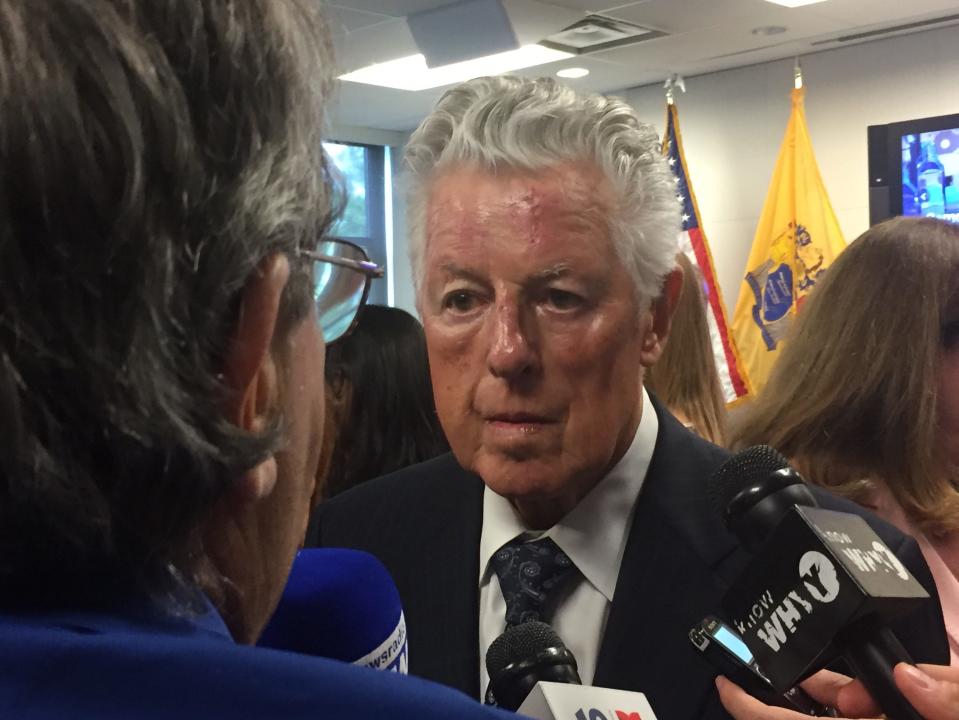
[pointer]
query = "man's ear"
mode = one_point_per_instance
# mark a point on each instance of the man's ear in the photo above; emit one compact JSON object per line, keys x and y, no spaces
{"x":250,"y":370}
{"x":661,"y":312}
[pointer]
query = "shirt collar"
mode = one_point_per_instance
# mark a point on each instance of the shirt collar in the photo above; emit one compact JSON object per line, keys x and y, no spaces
{"x":594,"y":533}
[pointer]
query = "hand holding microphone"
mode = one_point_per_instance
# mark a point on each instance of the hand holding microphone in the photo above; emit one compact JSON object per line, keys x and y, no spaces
{"x":933,"y":690}
{"x":821,"y":583}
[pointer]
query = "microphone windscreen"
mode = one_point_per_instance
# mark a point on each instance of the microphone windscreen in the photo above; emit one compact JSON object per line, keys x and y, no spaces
{"x":747,"y":467}
{"x":523,"y":656}
{"x":519,"y":643}
{"x":340,"y":604}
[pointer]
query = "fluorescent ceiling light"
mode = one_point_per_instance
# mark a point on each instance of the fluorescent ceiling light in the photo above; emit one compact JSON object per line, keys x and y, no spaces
{"x":411,"y":73}
{"x":573,"y":73}
{"x":795,"y":3}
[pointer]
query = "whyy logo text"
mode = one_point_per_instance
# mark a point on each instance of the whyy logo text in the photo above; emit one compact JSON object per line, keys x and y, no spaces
{"x":818,"y":585}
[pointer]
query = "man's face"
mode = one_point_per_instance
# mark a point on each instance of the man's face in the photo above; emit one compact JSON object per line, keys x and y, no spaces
{"x":284,"y":515}
{"x":254,"y":531}
{"x":534,"y":332}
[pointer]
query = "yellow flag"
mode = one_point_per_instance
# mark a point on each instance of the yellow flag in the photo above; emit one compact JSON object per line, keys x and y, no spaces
{"x":797,"y":239}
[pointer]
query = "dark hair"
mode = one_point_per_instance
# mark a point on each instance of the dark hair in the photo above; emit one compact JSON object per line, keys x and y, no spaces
{"x":685,"y":377}
{"x":379,"y":381}
{"x":152,"y":154}
{"x":852,"y":399}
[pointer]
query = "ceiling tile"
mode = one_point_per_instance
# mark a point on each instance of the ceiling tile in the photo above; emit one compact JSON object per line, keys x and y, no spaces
{"x":393,"y":8}
{"x":677,"y":17}
{"x":885,"y":11}
{"x":706,"y":36}
{"x":342,"y":20}
{"x":594,"y":6}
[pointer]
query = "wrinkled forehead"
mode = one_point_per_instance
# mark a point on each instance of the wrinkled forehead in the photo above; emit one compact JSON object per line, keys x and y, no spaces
{"x":564,"y":201}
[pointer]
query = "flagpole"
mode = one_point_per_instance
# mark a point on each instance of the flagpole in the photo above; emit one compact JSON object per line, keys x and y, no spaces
{"x":797,"y":74}
{"x":693,"y":243}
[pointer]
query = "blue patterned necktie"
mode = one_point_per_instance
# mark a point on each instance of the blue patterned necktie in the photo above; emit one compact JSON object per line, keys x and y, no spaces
{"x":530,"y":576}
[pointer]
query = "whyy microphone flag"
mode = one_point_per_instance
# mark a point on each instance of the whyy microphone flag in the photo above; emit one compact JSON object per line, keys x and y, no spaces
{"x":797,"y":240}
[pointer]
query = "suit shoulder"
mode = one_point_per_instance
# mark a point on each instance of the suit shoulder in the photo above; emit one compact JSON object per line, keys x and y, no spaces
{"x":388,"y":504}
{"x":408,"y":484}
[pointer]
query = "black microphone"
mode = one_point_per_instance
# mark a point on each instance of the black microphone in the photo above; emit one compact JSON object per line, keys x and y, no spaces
{"x":821,"y":583}
{"x":531,"y":671}
{"x":523,"y":656}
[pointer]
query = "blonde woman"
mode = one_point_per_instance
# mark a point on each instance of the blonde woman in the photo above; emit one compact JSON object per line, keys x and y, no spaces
{"x":685,"y":377}
{"x":865,"y":397}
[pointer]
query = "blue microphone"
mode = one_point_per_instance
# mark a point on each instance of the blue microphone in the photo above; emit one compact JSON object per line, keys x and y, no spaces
{"x":340,"y":604}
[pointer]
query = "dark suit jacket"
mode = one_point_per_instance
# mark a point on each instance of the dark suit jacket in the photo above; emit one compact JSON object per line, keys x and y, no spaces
{"x":424,"y":523}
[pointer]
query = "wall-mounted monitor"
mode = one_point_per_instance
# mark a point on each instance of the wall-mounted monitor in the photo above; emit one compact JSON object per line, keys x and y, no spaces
{"x":914,"y":169}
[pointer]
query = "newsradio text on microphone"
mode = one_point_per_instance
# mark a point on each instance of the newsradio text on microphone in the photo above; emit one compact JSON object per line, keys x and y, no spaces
{"x":392,"y":654}
{"x":817,"y":585}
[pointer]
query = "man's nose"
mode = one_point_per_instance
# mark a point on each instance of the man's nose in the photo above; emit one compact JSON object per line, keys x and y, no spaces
{"x":513,"y":352}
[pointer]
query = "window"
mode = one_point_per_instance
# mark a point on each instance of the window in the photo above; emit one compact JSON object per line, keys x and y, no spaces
{"x":364,"y":220}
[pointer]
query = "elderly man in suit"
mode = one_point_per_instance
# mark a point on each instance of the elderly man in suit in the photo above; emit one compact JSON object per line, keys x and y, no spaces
{"x":543,"y":232}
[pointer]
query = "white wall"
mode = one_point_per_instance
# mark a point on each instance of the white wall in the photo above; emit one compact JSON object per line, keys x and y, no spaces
{"x":733,"y":123}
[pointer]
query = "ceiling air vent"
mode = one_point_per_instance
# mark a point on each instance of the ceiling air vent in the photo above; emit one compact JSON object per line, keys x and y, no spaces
{"x":895,"y":30}
{"x":597,"y":32}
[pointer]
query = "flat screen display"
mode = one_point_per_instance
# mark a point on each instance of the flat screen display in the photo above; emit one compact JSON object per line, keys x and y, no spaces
{"x":930,"y":174}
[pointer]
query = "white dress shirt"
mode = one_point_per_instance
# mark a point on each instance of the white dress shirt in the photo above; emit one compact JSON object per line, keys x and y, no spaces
{"x":593,"y":535}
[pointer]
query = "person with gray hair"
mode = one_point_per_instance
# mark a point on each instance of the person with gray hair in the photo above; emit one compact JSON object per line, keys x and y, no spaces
{"x":544,"y":226}
{"x":166,"y":292}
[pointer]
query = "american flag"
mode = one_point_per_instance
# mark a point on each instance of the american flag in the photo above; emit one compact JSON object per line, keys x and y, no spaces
{"x":694,"y":244}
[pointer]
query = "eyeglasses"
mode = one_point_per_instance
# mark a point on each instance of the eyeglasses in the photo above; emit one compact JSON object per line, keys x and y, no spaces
{"x":342,"y":273}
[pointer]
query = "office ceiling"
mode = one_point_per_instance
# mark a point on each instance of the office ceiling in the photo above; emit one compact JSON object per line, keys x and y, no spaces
{"x":702,"y":36}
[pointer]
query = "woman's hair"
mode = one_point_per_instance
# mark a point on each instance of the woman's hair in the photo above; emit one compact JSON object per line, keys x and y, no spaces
{"x":852,"y":399}
{"x":685,"y":377}
{"x":378,"y":380}
{"x":499,"y":123}
{"x":152,"y":154}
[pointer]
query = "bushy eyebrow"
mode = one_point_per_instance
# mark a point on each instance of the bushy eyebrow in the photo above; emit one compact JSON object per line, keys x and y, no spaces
{"x":454,"y":270}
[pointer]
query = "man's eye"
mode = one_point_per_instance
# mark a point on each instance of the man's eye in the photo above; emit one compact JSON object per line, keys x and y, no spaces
{"x":563,"y":299}
{"x":459,"y":301}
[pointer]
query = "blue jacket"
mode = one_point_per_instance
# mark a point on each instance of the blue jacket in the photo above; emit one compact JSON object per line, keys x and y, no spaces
{"x":134,"y":665}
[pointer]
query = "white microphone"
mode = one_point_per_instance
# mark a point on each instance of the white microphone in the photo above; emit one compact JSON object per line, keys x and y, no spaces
{"x":532,"y":672}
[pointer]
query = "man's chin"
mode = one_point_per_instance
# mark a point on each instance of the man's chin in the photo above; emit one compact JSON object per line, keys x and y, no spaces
{"x":528,"y":479}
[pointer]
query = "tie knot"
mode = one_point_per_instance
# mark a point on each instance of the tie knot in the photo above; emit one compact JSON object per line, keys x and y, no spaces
{"x":530,"y":575}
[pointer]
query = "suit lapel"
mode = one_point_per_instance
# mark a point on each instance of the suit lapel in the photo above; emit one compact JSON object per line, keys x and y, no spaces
{"x":667,"y":580}
{"x":442,"y":587}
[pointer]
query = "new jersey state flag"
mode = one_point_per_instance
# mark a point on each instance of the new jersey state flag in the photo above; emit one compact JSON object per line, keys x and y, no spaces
{"x":797,"y":239}
{"x":694,"y":244}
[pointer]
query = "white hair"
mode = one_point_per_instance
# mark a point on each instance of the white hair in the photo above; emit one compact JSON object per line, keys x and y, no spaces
{"x":533,"y":124}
